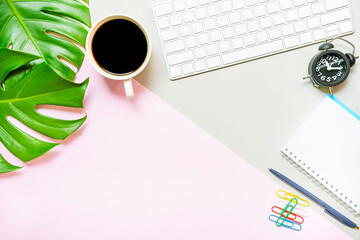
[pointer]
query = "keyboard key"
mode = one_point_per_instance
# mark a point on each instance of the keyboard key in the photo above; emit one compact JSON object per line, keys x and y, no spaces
{"x":213,"y":10}
{"x":169,"y":34}
{"x":200,"y":65}
{"x":228,"y":32}
{"x":163,"y":9}
{"x":313,"y":22}
{"x":278,"y":19}
{"x":203,"y":38}
{"x":191,"y":3}
{"x":190,"y":42}
{"x":291,"y":15}
{"x":240,"y":29}
{"x":253,"y":26}
{"x":212,"y":49}
{"x":197,"y":27}
{"x":238,"y":4}
{"x":187,"y":68}
{"x":188,"y":17}
{"x":304,"y":12}
{"x":175,"y":71}
{"x":274,"y":33}
{"x":234,"y":17}
{"x":247,"y":14}
{"x":332,"y":30}
{"x":255,"y":51}
{"x":224,"y":46}
{"x":249,"y":40}
{"x":163,"y":22}
{"x":222,"y":21}
{"x":225,"y":6}
{"x":200,"y":52}
{"x":291,"y":42}
{"x":200,"y":13}
{"x":333,"y":4}
{"x":336,"y":16}
{"x":209,"y":24}
{"x":333,"y":33}
{"x":346,"y":27}
{"x":176,"y":19}
{"x":319,"y":34}
{"x":300,"y":26}
{"x":285,"y":4}
{"x":273,"y":7}
{"x":215,"y":36}
{"x":213,"y":62}
{"x":180,"y":57}
{"x":287,"y":29}
{"x":265,"y":22}
{"x":179,"y":5}
{"x":262,"y":36}
{"x":306,"y":38}
{"x":174,"y":46}
{"x":259,"y":11}
{"x":185,"y":30}
{"x":317,"y":8}
{"x":236,"y":43}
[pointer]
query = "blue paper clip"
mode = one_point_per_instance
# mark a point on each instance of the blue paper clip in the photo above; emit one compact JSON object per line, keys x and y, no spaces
{"x":286,"y":223}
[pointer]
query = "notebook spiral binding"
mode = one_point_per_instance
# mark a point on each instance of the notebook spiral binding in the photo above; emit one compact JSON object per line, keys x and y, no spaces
{"x":321,"y":182}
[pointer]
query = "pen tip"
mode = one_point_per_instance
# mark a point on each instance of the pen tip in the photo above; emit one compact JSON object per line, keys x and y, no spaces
{"x":357,"y":227}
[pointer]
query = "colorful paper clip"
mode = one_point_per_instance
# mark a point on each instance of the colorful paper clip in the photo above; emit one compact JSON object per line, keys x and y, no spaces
{"x":298,"y":210}
{"x":287,"y":223}
{"x":288,"y":212}
{"x":292,"y":216}
{"x":302,"y":201}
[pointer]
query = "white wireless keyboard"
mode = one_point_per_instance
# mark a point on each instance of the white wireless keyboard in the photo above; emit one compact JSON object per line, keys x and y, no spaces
{"x":201,"y":35}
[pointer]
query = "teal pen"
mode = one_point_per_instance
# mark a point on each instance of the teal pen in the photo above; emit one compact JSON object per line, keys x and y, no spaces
{"x":329,"y":210}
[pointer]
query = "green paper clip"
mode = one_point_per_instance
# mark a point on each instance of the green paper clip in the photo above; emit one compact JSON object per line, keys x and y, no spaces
{"x":285,"y":209}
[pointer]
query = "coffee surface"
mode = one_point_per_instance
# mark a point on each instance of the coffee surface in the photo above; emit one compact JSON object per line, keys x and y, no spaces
{"x":119,"y":47}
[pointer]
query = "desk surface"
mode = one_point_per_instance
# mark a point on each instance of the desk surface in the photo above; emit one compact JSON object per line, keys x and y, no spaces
{"x":246,"y":108}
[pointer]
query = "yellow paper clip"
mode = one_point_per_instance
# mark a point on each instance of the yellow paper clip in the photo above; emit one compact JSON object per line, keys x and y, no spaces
{"x":288,"y":196}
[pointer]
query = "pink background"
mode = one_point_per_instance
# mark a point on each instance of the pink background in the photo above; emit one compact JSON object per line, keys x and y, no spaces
{"x":138,"y":169}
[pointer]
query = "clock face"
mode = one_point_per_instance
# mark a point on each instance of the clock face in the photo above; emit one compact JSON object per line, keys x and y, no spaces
{"x":331,"y":69}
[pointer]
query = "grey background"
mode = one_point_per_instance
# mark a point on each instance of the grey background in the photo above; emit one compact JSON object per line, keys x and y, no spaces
{"x":253,"y":108}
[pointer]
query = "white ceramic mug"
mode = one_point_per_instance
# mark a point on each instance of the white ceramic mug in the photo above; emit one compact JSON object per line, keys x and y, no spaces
{"x":127,"y":78}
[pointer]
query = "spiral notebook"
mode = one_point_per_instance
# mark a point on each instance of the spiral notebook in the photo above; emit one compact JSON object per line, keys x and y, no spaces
{"x":327,"y":146}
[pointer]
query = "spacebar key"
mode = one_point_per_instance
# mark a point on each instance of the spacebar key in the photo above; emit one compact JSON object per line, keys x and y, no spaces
{"x":252,"y":52}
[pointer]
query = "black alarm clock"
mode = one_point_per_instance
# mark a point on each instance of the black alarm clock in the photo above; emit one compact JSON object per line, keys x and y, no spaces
{"x":330,"y":67}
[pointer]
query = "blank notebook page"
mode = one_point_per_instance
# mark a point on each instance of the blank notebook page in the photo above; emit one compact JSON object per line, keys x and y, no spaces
{"x":327,"y":146}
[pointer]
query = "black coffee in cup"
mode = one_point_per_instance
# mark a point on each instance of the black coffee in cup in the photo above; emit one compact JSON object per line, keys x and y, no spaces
{"x":119,"y":47}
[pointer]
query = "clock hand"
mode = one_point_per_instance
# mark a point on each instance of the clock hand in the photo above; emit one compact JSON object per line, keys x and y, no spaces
{"x":328,"y":67}
{"x":336,"y":68}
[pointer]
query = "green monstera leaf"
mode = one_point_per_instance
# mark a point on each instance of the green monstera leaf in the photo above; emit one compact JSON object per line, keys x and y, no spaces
{"x":39,"y":86}
{"x":47,"y":29}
